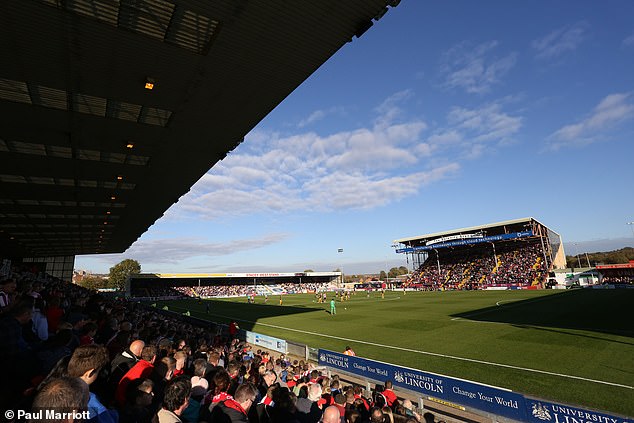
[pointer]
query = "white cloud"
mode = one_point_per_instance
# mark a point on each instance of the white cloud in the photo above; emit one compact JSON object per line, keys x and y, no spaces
{"x":475,"y":69}
{"x":175,"y":250}
{"x":610,"y":111}
{"x":470,"y":133}
{"x":560,"y":41}
{"x":487,"y":123}
{"x":628,"y":41}
{"x":360,"y":169}
{"x":318,"y":115}
{"x":390,"y":108}
{"x":308,"y":172}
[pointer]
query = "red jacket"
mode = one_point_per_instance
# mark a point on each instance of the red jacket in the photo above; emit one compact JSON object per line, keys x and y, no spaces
{"x":390,"y":396}
{"x":142,"y":369}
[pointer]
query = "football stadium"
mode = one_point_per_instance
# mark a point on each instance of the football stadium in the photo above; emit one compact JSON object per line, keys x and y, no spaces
{"x":113,"y":109}
{"x":474,"y":308}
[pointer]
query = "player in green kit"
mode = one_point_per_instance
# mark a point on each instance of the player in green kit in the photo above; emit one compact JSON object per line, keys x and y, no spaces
{"x":333,"y":307}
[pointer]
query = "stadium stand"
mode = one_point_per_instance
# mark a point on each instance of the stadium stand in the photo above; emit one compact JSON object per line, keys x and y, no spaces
{"x":517,"y":265}
{"x":152,"y":365}
{"x":517,"y":253}
{"x":229,"y":285}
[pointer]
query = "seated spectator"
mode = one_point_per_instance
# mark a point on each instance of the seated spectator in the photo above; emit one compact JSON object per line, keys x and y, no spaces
{"x":409,"y":410}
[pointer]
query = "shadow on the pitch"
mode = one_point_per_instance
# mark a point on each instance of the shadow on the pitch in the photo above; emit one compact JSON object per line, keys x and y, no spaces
{"x":245,"y":314}
{"x":603,"y":311}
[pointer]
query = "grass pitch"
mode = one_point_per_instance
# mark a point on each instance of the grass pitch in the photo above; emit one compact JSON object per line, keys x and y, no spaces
{"x":575,"y":347}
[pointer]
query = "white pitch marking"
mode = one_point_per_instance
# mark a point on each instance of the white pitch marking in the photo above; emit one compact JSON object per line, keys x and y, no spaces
{"x":508,"y":366}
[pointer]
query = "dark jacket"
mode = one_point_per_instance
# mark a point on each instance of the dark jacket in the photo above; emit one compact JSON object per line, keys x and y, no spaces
{"x":228,"y":411}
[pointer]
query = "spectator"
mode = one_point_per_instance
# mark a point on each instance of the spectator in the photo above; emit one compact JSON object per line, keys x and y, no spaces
{"x":142,"y":369}
{"x":65,"y":395}
{"x":181,"y":360}
{"x":409,"y":410}
{"x":40,"y":324}
{"x":332,"y":415}
{"x":7,"y":293}
{"x":175,"y":401}
{"x":85,"y":363}
{"x":235,"y":410}
{"x":161,"y":375}
{"x":124,"y":361}
{"x":388,"y":392}
{"x":88,"y":332}
{"x":267,"y":380}
{"x":376,"y":415}
{"x":12,"y":340}
{"x":54,"y":314}
{"x":138,"y":408}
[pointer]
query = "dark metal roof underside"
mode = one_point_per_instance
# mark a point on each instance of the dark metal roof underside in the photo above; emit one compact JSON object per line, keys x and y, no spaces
{"x":72,"y":97}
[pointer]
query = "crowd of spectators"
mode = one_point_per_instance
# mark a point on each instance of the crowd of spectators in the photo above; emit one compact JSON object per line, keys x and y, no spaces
{"x":619,"y":277}
{"x":234,"y":290}
{"x":67,"y":348}
{"x":520,"y":264}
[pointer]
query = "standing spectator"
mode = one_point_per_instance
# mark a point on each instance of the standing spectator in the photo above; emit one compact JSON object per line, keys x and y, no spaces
{"x":175,"y":400}
{"x":267,"y":380}
{"x":54,"y":314}
{"x":63,"y":395}
{"x":40,"y":324}
{"x":124,"y":361}
{"x":181,"y":359}
{"x":233,"y":329}
{"x":88,"y":332}
{"x":376,"y":415}
{"x":388,"y":392}
{"x":15,"y":354}
{"x":161,"y":375}
{"x":7,"y":292}
{"x":331,"y":415}
{"x":235,"y":410}
{"x":85,"y":363}
{"x":138,"y":408}
{"x":142,"y":369}
{"x":118,"y":343}
{"x":12,"y":340}
{"x":308,"y":408}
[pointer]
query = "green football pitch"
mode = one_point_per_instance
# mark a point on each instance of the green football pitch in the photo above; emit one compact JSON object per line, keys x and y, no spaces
{"x":575,"y":347}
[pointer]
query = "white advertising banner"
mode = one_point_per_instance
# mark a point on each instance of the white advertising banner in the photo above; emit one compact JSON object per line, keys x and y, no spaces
{"x":267,"y":342}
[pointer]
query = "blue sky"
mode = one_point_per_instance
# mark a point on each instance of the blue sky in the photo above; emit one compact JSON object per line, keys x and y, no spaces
{"x":443,"y":115}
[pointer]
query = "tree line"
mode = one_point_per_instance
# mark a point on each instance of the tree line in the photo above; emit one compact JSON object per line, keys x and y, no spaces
{"x":117,"y":276}
{"x":624,"y":255}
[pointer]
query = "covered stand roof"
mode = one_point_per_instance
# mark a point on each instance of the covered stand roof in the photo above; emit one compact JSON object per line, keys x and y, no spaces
{"x":421,"y":238}
{"x":89,"y":157}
